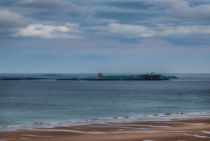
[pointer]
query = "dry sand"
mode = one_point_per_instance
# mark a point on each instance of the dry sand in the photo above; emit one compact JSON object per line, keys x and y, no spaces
{"x":174,"y":130}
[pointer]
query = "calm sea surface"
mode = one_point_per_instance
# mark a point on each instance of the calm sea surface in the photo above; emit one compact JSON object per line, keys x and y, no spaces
{"x":25,"y":104}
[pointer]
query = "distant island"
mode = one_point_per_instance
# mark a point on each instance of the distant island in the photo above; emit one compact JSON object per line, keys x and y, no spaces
{"x":100,"y":76}
{"x":148,"y":76}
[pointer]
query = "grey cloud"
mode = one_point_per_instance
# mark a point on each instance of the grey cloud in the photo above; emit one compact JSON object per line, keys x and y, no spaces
{"x":183,"y":9}
{"x":49,"y":5}
{"x":178,"y":9}
{"x":11,"y":22}
{"x":6,"y":2}
{"x":198,"y":12}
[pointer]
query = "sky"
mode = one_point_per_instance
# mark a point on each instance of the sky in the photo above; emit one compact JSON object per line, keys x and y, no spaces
{"x":111,"y":36}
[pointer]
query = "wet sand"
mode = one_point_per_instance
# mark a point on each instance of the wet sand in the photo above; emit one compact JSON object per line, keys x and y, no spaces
{"x":174,"y":130}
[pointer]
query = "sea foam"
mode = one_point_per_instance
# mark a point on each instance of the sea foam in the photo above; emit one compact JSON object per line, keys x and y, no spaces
{"x":121,"y":119}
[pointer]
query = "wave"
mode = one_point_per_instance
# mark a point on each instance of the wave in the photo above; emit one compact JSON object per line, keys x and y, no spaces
{"x":120,"y":119}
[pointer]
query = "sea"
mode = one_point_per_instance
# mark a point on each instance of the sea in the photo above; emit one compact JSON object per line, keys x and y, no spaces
{"x":28,"y":104}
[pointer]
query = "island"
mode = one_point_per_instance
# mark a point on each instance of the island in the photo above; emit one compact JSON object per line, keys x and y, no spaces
{"x":148,"y":76}
{"x":98,"y":77}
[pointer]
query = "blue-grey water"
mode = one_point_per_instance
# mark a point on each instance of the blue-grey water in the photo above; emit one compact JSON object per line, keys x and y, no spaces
{"x":48,"y":102}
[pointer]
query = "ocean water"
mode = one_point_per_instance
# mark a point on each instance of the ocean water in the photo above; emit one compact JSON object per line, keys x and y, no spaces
{"x":49,"y":103}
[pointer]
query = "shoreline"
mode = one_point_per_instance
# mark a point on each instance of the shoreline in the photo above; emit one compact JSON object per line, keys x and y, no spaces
{"x":197,"y":129}
{"x":105,"y":120}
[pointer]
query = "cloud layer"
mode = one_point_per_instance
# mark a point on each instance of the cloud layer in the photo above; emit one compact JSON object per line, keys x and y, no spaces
{"x":104,"y":18}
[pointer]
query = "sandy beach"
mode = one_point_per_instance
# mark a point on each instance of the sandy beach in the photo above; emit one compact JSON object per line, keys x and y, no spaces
{"x":174,"y":130}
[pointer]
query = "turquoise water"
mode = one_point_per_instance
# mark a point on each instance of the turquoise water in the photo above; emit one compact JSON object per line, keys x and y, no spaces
{"x":27,"y":104}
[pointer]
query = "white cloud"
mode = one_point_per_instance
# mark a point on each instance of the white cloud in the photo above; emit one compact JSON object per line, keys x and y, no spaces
{"x":137,"y":31}
{"x":130,"y":30}
{"x":68,"y":31}
{"x":184,"y":30}
{"x":15,"y":25}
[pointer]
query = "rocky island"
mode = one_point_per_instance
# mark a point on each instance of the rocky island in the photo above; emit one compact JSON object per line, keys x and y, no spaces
{"x":100,"y":76}
{"x":148,"y":76}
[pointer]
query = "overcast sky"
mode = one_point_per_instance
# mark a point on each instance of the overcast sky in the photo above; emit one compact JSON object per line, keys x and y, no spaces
{"x":78,"y":36}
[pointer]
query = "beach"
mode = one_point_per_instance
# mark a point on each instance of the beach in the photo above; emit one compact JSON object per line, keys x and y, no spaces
{"x":173,"y":130}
